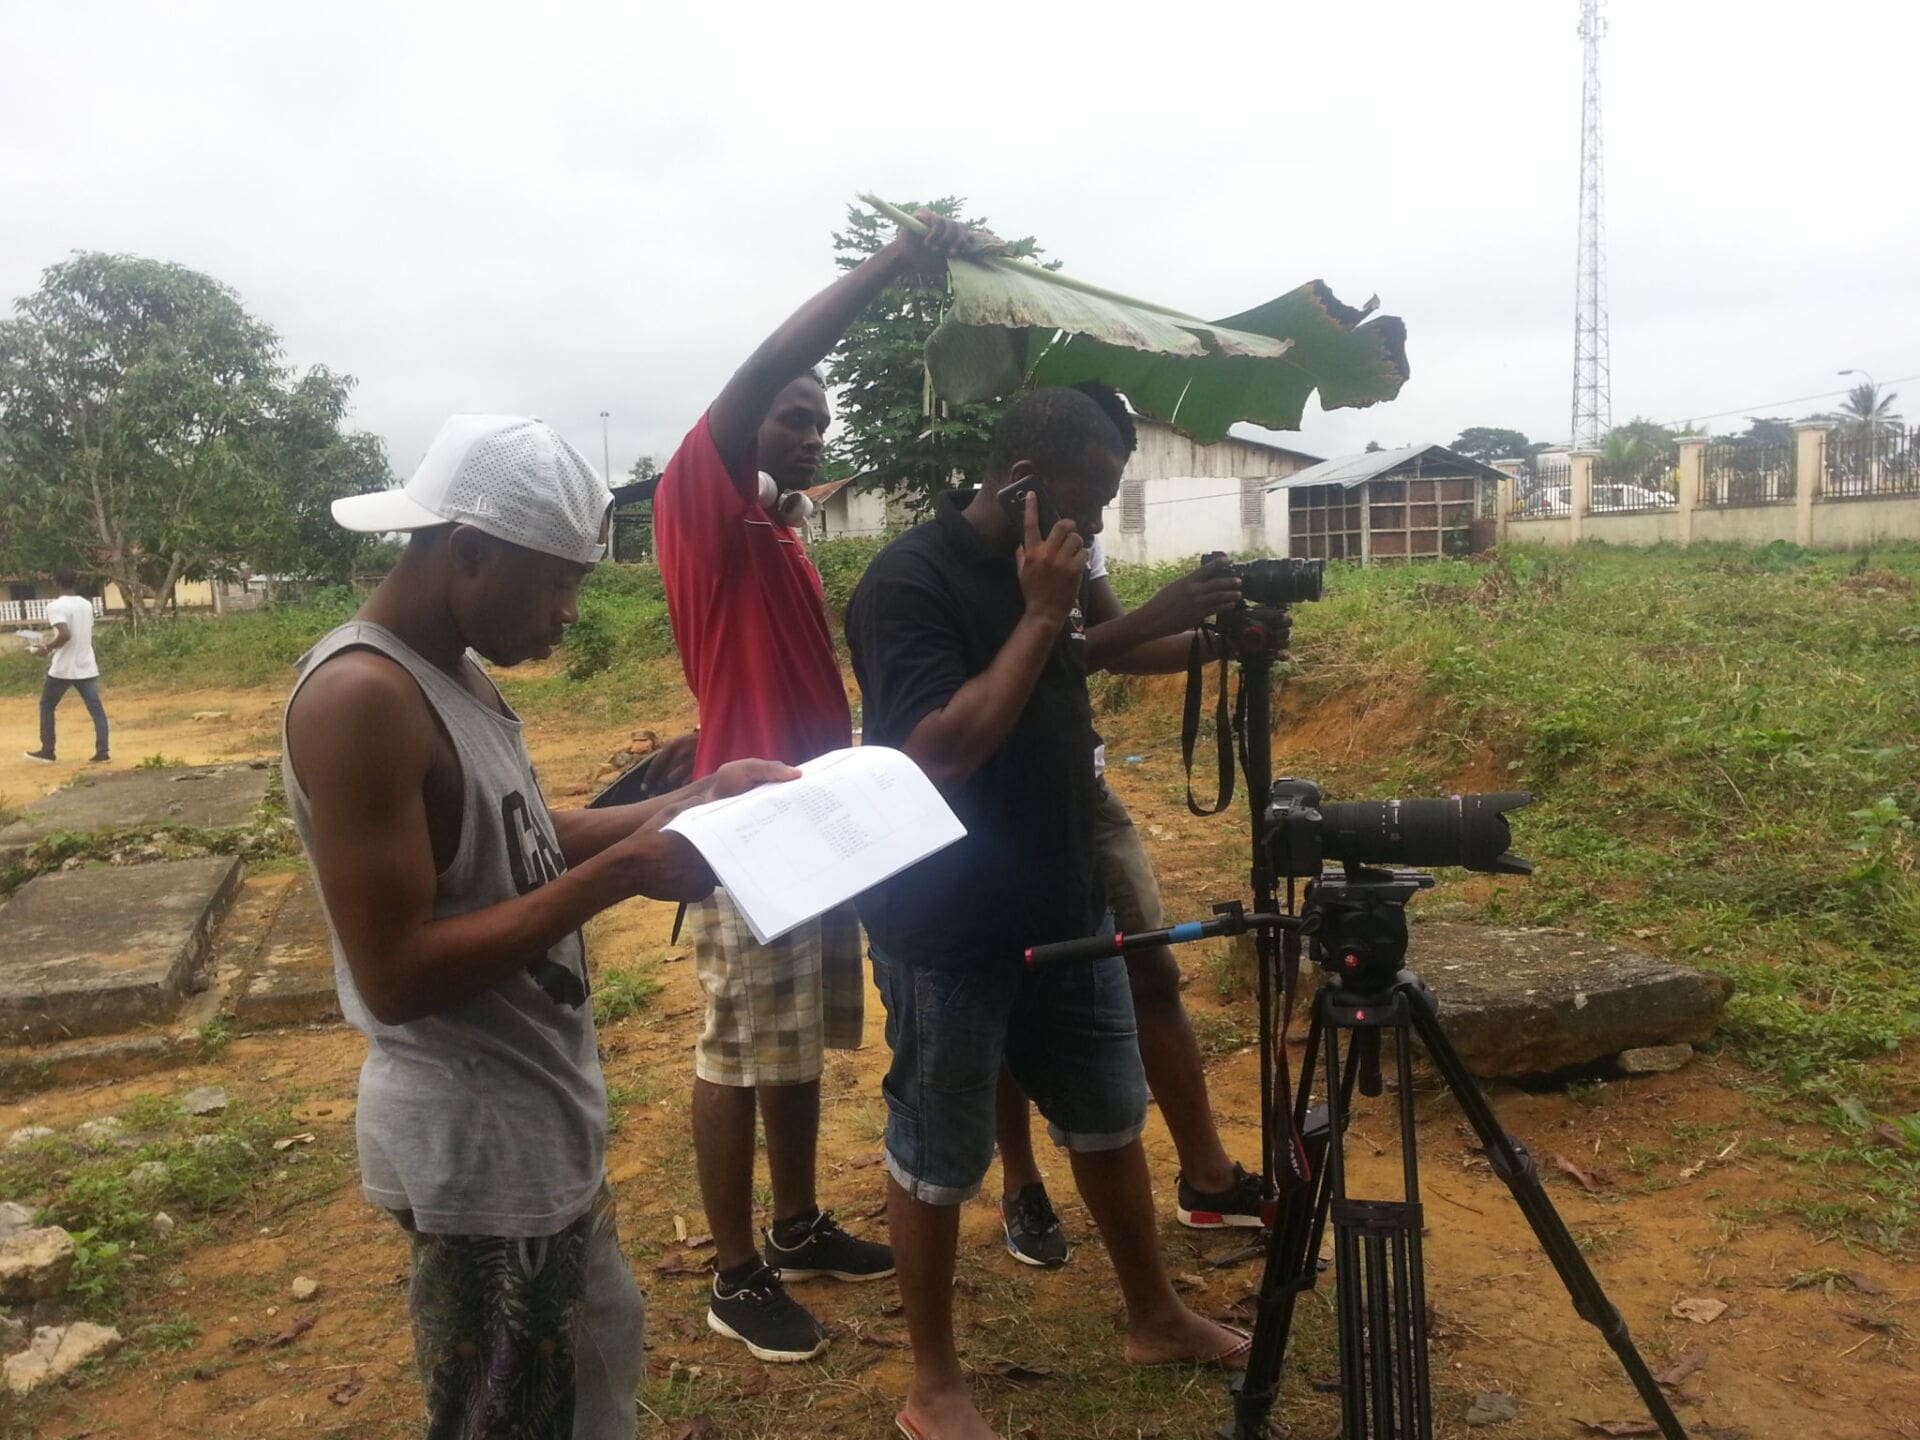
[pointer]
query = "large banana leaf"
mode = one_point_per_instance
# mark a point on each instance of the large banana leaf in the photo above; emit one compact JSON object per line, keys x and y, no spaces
{"x":1012,"y":323}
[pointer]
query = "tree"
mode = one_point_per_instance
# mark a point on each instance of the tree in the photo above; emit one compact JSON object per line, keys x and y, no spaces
{"x":1488,"y":443}
{"x":644,"y":468}
{"x":150,"y":433}
{"x":1867,"y":411}
{"x":893,"y":432}
{"x":302,"y":462}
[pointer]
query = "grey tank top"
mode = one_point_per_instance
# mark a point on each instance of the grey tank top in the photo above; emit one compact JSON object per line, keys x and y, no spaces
{"x":488,"y":1117}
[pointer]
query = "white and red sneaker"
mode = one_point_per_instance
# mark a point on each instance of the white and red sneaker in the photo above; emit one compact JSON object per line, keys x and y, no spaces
{"x":1235,"y":1208}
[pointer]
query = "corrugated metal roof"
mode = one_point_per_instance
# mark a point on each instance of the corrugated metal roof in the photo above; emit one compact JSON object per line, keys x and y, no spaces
{"x":823,"y":493}
{"x":1351,"y":470}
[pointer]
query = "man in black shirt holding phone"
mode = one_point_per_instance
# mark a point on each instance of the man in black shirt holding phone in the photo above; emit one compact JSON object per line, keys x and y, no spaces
{"x":968,"y":642}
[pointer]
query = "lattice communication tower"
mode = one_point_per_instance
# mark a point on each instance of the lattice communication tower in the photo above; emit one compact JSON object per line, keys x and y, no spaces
{"x":1592,"y":362}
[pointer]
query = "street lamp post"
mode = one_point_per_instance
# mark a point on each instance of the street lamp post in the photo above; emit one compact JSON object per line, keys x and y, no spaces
{"x":606,"y":469}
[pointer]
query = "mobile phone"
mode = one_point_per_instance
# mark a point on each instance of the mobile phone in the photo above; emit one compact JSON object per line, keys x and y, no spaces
{"x":1014,"y":499}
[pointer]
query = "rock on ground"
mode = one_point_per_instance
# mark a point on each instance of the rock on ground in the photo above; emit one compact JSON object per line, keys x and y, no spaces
{"x":1654,"y":1059}
{"x":35,"y":1263}
{"x":13,"y":1334}
{"x":57,"y":1351}
{"x":207,"y":1100}
{"x":148,"y":1174}
{"x":305,"y":1289}
{"x":1529,"y":1002}
{"x":29,"y":1135}
{"x":15,"y":1217}
{"x":1493,"y":1408}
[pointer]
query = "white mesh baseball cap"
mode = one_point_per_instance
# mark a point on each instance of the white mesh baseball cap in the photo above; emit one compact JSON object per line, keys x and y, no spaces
{"x":509,"y":475}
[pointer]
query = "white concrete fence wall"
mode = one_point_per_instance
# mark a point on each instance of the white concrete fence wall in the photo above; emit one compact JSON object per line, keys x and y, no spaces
{"x":1807,"y":516}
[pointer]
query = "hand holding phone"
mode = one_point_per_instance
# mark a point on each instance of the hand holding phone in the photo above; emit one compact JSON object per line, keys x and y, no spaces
{"x":1013,"y":499}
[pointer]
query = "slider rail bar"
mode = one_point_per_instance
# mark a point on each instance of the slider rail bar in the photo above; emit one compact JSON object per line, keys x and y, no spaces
{"x":1099,"y":947}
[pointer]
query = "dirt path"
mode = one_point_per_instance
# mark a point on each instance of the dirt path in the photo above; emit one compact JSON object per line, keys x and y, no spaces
{"x":1690,"y":1203}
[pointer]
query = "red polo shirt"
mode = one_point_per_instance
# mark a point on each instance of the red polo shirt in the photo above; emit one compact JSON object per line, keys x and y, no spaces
{"x":748,"y":615}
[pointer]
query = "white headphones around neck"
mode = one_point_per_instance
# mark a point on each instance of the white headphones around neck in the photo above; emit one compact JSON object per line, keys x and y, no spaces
{"x":794,"y":508}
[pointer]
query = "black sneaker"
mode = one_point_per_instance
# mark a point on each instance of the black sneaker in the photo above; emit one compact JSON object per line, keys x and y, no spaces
{"x":1235,"y":1208}
{"x":762,"y":1316}
{"x":804,"y":1249}
{"x":1034,"y":1236}
{"x":103,"y":758}
{"x":39,"y":757}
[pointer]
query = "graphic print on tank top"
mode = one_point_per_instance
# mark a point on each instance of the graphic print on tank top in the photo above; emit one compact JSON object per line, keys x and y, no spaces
{"x":534,"y":859}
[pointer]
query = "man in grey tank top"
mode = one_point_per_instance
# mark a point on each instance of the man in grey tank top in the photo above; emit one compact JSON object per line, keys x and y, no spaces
{"x":455,"y":898}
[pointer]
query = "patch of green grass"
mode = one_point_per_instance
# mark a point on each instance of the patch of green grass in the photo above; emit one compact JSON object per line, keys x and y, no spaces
{"x":1219,"y":1035}
{"x":168,"y":1336}
{"x":197,"y":1170}
{"x":1718,"y":741}
{"x":619,"y":994}
{"x":159,"y":762}
{"x":215,"y":1036}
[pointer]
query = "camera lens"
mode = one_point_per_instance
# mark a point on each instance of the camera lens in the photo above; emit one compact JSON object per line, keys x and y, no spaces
{"x":1466,"y":830}
{"x":1280,"y":582}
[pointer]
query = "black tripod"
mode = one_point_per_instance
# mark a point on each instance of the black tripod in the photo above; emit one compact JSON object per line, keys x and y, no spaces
{"x":1358,"y":921}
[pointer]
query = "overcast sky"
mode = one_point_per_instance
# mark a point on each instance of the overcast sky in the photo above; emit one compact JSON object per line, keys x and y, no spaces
{"x":563,"y":208}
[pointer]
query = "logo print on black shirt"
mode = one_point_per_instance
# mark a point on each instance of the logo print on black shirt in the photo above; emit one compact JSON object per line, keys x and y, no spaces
{"x":535,"y":859}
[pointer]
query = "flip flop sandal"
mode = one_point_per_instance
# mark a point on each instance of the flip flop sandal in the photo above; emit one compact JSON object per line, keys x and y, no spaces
{"x":1232,"y":1352}
{"x":907,"y":1427}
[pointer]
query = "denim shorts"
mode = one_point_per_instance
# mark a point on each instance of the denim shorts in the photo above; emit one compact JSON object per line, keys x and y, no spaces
{"x":1065,"y":1031}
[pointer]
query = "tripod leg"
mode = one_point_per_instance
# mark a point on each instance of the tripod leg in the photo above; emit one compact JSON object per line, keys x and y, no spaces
{"x":1293,"y":1246}
{"x":1514,"y":1165}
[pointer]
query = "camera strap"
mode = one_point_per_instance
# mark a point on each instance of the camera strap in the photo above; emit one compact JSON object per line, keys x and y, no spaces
{"x":1190,"y":724}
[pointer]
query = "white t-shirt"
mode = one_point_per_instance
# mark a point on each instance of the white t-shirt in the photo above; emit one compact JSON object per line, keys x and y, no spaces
{"x":1097,"y":570}
{"x":73,"y":660}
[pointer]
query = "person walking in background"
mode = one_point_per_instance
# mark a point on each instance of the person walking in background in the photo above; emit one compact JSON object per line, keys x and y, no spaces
{"x":72,"y":667}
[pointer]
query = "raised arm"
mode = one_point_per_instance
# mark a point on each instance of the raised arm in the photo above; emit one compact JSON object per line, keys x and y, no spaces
{"x":361,"y":742}
{"x":952,"y":742}
{"x":805,"y":337}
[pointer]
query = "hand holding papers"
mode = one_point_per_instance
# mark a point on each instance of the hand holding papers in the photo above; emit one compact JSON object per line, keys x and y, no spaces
{"x":791,"y":851}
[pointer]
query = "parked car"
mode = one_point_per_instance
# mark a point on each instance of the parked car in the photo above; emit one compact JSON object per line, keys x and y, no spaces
{"x":1630,"y":497}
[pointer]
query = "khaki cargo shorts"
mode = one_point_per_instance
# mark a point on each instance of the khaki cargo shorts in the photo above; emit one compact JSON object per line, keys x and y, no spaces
{"x":1132,"y":892}
{"x":773,"y":1010}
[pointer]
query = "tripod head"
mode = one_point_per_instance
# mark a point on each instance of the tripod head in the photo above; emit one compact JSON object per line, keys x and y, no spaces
{"x":1356,"y":918}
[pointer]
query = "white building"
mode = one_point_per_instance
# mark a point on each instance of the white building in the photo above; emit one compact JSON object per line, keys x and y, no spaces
{"x":1179,"y":499}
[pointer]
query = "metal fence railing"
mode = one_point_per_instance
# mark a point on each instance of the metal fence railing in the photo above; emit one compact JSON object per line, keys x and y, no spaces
{"x":30,"y":612}
{"x":1649,"y":483}
{"x":1865,"y":460}
{"x":1542,"y":490}
{"x":1743,"y":472}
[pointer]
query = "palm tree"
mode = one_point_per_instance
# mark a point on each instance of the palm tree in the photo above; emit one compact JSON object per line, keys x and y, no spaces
{"x":1867,"y":410}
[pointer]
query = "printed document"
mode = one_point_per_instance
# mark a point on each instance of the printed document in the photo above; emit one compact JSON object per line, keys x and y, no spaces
{"x":790,"y":851}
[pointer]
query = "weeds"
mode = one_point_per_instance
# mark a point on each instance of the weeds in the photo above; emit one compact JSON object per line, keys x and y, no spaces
{"x":105,"y":1193}
{"x":619,"y":994}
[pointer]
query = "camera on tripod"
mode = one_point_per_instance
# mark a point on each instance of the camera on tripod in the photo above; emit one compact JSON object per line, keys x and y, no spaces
{"x":1256,"y":629}
{"x":1303,"y":832}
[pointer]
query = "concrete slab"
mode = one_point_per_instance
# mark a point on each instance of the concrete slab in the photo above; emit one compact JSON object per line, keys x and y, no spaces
{"x":1530,"y":1002}
{"x":290,"y":980}
{"x":213,"y":796}
{"x":106,"y":950}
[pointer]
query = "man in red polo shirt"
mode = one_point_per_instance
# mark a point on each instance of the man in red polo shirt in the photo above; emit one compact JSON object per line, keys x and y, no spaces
{"x":751,"y":623}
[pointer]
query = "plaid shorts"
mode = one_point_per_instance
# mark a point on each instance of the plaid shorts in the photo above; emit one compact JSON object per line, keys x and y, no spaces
{"x":773,"y":1010}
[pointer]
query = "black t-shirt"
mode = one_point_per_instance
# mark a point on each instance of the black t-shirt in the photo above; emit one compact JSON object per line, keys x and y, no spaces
{"x":931,"y":613}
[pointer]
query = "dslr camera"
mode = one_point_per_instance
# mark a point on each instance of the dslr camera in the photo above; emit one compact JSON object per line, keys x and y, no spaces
{"x":1255,"y":631}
